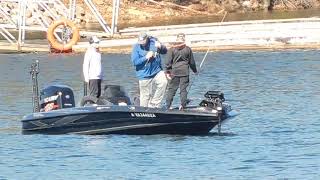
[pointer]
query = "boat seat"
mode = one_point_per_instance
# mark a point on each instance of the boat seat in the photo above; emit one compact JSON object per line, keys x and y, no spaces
{"x":115,"y":94}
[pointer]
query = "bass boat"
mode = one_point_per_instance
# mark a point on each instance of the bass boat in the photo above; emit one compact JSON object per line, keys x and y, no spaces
{"x":113,"y":113}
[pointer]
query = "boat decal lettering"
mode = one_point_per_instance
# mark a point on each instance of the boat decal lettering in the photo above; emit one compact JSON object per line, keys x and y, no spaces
{"x":101,"y":108}
{"x":51,"y":98}
{"x":132,"y":108}
{"x":149,"y":115}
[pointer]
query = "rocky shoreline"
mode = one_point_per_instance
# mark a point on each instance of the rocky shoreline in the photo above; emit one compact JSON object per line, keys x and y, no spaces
{"x":134,"y":11}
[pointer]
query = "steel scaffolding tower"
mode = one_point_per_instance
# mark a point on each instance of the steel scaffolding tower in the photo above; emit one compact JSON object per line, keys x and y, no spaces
{"x":50,"y":7}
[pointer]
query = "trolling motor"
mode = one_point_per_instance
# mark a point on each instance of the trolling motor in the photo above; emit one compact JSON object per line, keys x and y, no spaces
{"x":214,"y":100}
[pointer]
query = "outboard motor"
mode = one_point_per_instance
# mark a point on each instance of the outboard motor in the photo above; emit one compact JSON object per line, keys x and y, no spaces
{"x":55,"y":97}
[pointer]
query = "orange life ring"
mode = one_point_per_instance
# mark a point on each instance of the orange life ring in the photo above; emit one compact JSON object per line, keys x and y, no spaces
{"x":55,"y":43}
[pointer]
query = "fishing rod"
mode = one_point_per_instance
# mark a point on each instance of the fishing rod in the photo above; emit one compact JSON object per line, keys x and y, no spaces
{"x":204,"y":57}
{"x":198,"y":71}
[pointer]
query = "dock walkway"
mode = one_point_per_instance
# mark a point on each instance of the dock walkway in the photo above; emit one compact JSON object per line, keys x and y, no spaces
{"x":236,"y":35}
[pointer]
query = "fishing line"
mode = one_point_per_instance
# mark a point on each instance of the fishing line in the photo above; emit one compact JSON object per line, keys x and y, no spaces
{"x":204,"y":58}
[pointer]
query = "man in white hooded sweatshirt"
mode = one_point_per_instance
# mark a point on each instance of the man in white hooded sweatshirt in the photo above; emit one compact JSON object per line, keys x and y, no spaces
{"x":92,"y":69}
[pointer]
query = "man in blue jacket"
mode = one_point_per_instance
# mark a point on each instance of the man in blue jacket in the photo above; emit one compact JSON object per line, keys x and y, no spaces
{"x":147,"y":61}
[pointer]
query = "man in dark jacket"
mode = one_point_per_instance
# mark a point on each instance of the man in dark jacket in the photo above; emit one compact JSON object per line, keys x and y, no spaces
{"x":180,"y":59}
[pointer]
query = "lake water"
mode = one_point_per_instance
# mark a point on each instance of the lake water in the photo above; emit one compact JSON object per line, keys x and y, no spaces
{"x":275,"y":136}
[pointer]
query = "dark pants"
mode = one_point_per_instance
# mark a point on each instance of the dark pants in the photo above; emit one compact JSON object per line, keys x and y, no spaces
{"x":175,"y":83}
{"x":95,"y":87}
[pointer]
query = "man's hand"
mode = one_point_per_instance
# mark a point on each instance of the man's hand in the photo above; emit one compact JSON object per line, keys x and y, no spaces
{"x":168,"y":75}
{"x":157,"y":44}
{"x":149,"y":55}
{"x":196,"y":73}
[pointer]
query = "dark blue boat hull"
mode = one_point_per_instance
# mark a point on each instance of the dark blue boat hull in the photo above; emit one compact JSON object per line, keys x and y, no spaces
{"x":122,"y":120}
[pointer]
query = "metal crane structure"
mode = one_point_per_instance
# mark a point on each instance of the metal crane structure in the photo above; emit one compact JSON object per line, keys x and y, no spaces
{"x":15,"y":17}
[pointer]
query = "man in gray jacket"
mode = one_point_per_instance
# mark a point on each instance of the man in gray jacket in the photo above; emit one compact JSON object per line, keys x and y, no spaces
{"x":179,"y":60}
{"x":92,"y":69}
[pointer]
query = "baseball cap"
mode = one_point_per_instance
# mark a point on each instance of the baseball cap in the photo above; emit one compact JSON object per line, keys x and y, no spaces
{"x":94,"y":39}
{"x":142,"y":37}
